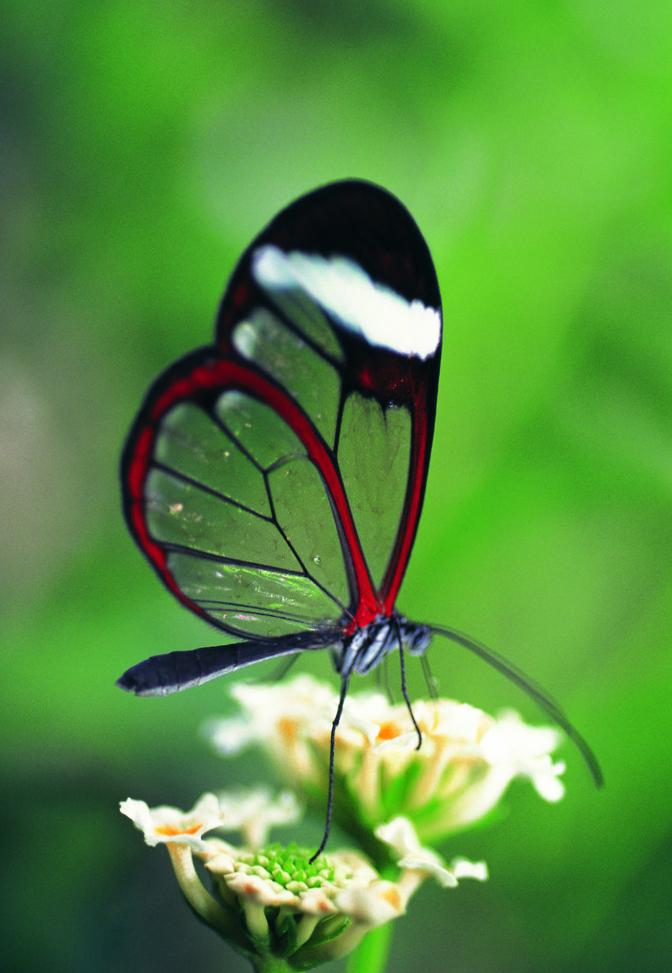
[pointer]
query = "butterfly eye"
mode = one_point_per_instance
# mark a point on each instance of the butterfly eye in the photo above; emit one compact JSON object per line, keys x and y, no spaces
{"x":419,"y":639}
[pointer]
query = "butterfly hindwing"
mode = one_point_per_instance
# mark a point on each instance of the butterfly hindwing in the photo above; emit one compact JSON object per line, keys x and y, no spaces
{"x":206,"y":474}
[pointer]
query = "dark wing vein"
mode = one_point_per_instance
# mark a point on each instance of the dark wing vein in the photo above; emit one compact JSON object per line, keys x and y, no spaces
{"x":283,"y":461}
{"x":185,"y":478}
{"x":215,"y":604}
{"x":235,"y":440}
{"x":339,"y":423}
{"x":222,"y":559}
{"x":306,"y":572}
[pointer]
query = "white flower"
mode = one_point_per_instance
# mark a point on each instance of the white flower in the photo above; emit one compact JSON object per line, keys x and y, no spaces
{"x":277,"y":720}
{"x":230,"y":736}
{"x":402,"y":838}
{"x":182,"y":833}
{"x":169,"y":825}
{"x":254,"y":811}
{"x":271,"y":898}
{"x":524,"y":751}
{"x":466,"y":762}
{"x":274,"y":900}
{"x":251,"y":811}
{"x":333,"y":901}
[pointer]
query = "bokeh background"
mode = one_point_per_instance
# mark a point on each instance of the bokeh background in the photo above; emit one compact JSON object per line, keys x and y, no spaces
{"x":143,"y":145}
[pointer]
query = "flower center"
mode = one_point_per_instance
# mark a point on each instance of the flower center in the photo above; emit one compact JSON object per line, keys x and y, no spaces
{"x":393,"y":897}
{"x":287,"y":728}
{"x":388,"y":730}
{"x":290,"y":863}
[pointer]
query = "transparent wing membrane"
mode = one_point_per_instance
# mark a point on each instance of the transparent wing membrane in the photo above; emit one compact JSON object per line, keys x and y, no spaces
{"x":183,"y":513}
{"x":218,"y":586}
{"x":251,"y":600}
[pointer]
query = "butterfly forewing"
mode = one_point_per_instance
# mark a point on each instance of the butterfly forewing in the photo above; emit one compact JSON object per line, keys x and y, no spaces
{"x":275,"y":480}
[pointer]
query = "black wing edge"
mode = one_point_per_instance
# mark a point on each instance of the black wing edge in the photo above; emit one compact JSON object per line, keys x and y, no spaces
{"x":357,"y":219}
{"x":161,"y":675}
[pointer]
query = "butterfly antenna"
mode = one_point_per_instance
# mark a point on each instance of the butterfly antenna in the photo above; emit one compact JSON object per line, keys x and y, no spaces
{"x":332,"y":749}
{"x":404,"y":690}
{"x":533,"y":690}
{"x":430,"y":678}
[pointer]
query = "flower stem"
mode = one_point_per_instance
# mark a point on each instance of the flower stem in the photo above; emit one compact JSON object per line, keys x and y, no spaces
{"x":371,"y":954}
{"x":196,"y":895}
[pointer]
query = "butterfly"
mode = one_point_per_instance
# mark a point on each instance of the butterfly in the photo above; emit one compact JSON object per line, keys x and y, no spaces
{"x":275,"y":478}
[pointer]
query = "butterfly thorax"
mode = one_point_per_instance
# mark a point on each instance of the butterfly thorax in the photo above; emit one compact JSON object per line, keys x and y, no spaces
{"x":367,"y":647}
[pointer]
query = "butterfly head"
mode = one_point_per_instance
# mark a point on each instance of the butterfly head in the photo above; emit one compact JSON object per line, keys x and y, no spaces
{"x":368,"y":646}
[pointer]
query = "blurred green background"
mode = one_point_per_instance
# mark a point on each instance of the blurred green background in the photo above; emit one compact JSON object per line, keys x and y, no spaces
{"x":143,"y":145}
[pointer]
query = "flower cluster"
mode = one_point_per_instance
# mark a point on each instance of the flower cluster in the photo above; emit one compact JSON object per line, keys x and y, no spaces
{"x":466,"y":762}
{"x":275,"y":901}
{"x":285,"y":909}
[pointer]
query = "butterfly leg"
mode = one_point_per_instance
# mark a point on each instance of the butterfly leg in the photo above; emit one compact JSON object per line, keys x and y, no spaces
{"x":332,"y":750}
{"x":404,"y":690}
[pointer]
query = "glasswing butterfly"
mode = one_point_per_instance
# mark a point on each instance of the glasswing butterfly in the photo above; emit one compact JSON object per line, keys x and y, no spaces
{"x":274,"y":479}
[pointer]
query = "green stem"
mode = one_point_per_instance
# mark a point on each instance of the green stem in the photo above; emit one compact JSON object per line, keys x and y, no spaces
{"x":200,"y":900}
{"x":371,"y":954}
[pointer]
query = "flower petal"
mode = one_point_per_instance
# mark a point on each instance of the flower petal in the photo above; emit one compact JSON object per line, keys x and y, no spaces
{"x":263,"y":891}
{"x":448,"y":876}
{"x":371,"y":905}
{"x":464,"y":868}
{"x":230,"y":736}
{"x":165,"y":824}
{"x":400,"y":835}
{"x":421,"y":863}
{"x":254,"y":811}
{"x":524,"y":751}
